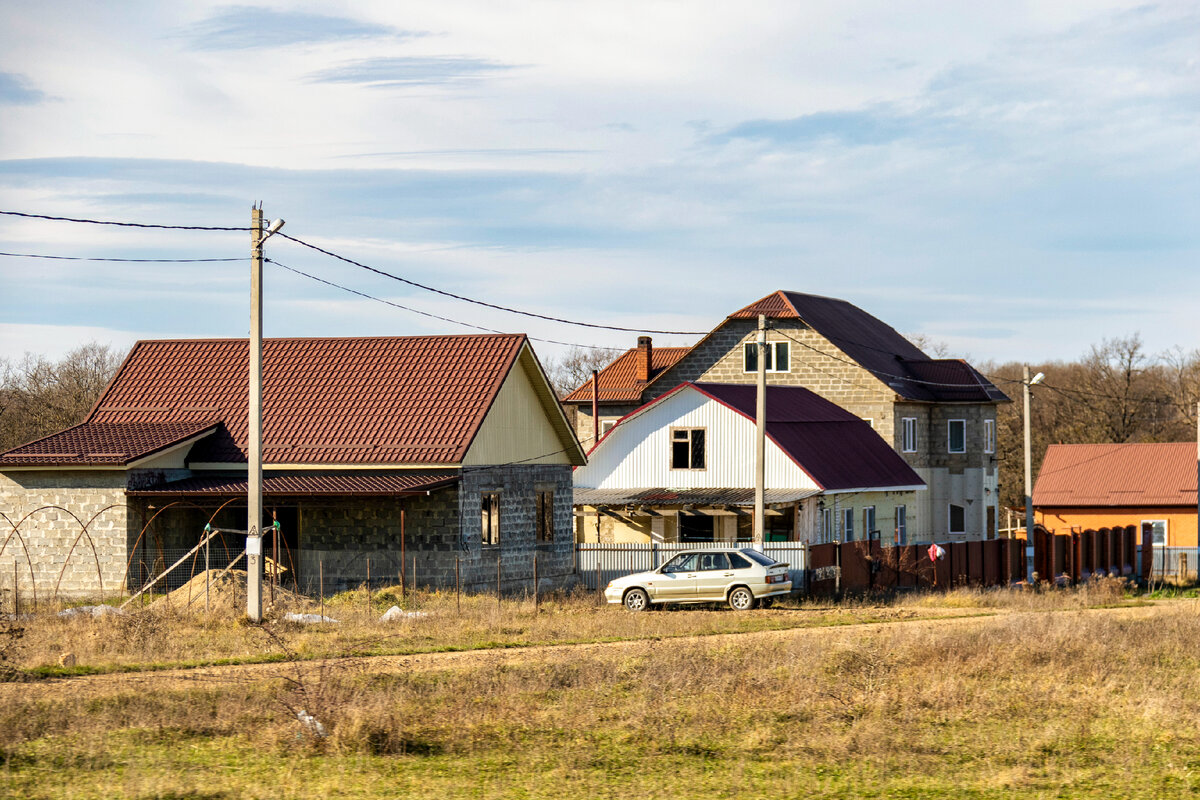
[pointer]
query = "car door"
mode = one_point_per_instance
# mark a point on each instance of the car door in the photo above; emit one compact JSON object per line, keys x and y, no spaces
{"x":714,"y":575}
{"x":677,"y":579}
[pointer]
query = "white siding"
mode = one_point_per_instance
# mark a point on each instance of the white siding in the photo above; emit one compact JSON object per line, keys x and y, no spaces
{"x":637,"y":453}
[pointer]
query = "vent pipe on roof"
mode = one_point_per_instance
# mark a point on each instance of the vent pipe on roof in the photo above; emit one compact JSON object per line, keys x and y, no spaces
{"x":645,"y":358}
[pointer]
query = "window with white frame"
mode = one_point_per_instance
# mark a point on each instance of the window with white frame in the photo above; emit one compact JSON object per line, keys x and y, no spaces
{"x":957,"y":518}
{"x":778,"y":357}
{"x":826,"y":525}
{"x":868,"y":522}
{"x":847,"y":524}
{"x":956,"y":436}
{"x":1158,"y":528}
{"x":687,"y":448}
{"x":908,"y":435}
{"x":869,"y":421}
{"x":489,"y":506}
{"x":901,"y":525}
{"x":607,"y":425}
{"x":989,"y":436}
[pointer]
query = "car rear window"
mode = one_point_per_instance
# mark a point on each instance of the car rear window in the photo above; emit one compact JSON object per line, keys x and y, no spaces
{"x":738,"y":562}
{"x":765,"y":560}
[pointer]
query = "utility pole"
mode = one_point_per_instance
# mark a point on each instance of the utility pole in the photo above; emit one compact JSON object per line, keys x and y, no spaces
{"x":254,"y":420}
{"x":760,"y":439}
{"x":1026,"y":382}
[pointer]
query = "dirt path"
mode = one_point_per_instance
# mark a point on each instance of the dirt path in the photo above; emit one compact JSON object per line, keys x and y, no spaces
{"x":224,"y":675}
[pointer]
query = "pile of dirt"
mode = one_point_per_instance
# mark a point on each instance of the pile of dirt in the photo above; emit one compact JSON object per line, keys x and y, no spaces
{"x":226,"y":595}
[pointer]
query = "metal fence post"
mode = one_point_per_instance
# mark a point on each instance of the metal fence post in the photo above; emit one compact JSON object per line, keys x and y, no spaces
{"x":537,"y":596}
{"x":457,"y":588}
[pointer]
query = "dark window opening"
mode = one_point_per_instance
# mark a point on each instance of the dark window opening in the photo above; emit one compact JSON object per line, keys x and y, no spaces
{"x":489,"y":504}
{"x":687,"y":448}
{"x":545,"y":517}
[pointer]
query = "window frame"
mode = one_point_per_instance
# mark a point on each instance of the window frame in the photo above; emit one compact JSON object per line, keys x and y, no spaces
{"x":950,"y":437}
{"x":774,"y":350}
{"x":847,"y":525}
{"x":908,"y":443}
{"x":902,"y":524}
{"x":691,"y":430}
{"x":950,"y":518}
{"x":489,"y":521}
{"x":989,"y":436}
{"x":826,"y":525}
{"x":607,"y":425}
{"x":869,"y":529}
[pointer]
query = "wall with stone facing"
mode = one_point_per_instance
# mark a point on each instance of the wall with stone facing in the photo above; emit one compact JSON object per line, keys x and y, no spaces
{"x":441,"y":529}
{"x":581,"y":418}
{"x":95,"y":496}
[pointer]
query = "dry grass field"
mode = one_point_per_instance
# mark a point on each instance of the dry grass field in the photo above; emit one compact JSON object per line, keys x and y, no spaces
{"x":970,"y":694}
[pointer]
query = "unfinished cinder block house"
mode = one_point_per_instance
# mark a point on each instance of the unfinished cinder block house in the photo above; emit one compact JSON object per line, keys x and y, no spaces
{"x":938,"y":414}
{"x":450,"y":448}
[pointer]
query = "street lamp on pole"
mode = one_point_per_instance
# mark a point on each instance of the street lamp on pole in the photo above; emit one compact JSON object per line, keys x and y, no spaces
{"x":1026,"y":382}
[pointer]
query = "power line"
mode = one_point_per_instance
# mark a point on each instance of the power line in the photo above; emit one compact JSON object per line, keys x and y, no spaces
{"x":483,"y":303}
{"x":123,"y":224}
{"x":418,"y":311}
{"x":126,"y":260}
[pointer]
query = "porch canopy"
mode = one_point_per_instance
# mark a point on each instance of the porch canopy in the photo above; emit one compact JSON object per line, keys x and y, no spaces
{"x":308,"y":485}
{"x":690,"y":497}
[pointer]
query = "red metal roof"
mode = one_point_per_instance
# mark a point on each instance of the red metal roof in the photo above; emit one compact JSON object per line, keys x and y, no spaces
{"x":343,"y":485}
{"x":1117,"y":475}
{"x":879,"y":348}
{"x":105,"y":443}
{"x":618,"y":383}
{"x":839,"y":450}
{"x":381,"y":400}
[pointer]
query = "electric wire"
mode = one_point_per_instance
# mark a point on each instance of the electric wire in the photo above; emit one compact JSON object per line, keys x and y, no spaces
{"x":423,"y":313}
{"x":126,"y":260}
{"x":123,"y":224}
{"x":483,"y":303}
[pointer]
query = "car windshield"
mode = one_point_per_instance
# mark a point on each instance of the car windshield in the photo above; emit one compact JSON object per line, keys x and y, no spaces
{"x":754,"y":555}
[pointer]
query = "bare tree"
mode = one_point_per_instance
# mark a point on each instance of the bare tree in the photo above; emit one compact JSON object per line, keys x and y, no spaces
{"x":934,"y":348}
{"x":39,"y":396}
{"x":573,"y":368}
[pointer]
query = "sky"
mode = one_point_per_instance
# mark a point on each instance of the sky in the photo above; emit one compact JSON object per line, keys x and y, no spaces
{"x":1015,"y":180}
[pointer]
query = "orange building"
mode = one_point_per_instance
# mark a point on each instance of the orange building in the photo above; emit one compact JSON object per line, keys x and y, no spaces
{"x":1095,"y":486}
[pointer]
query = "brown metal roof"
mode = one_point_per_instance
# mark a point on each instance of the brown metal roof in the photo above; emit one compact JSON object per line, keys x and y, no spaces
{"x":380,"y":400}
{"x":342,"y":485}
{"x":706,"y":497}
{"x":105,"y":443}
{"x":618,"y":383}
{"x":879,"y":348}
{"x":1117,"y":475}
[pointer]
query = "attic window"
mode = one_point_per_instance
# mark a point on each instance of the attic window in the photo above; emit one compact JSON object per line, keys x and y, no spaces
{"x":778,"y":357}
{"x":687,"y":448}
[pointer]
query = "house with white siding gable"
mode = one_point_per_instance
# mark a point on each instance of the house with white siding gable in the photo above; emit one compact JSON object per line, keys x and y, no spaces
{"x":681,"y":469}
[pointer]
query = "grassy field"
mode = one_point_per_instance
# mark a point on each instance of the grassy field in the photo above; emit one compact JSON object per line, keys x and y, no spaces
{"x":1054,"y":695}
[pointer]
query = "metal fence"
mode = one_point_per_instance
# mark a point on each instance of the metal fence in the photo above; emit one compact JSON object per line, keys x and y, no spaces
{"x":599,"y":563}
{"x":148,"y":564}
{"x":1175,"y":564}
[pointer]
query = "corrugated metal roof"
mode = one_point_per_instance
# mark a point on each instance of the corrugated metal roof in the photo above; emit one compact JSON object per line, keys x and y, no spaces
{"x":839,"y":450}
{"x":618,"y":383}
{"x":1117,"y":475}
{"x":341,"y":485}
{"x":879,"y":348}
{"x":411,"y":399}
{"x":706,"y":497}
{"x":104,"y":443}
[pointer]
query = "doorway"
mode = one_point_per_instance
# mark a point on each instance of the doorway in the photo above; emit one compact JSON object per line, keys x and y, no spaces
{"x":697,"y":528}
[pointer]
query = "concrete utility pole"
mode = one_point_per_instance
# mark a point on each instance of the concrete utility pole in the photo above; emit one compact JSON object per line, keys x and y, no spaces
{"x":760,"y":439}
{"x":254,"y":419}
{"x":1026,"y":383}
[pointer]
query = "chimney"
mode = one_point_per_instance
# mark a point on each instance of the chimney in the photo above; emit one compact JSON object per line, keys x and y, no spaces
{"x":645,"y":356}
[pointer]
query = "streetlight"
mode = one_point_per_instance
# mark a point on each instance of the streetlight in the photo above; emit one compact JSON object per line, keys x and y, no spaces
{"x":1027,"y":382}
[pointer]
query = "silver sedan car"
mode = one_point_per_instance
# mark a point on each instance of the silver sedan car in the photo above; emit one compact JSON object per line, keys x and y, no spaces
{"x":741,"y":577}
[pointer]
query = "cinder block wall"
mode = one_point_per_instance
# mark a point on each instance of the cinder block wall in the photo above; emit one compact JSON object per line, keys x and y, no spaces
{"x":88,"y":496}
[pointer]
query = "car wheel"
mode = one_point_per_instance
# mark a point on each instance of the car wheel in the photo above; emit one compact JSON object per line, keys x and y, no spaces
{"x":637,"y":600}
{"x":741,"y":599}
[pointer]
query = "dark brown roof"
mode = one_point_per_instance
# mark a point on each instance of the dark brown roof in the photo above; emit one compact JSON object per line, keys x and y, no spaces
{"x":105,"y":443}
{"x":1117,"y":475}
{"x":342,"y":485}
{"x":381,"y":400}
{"x":618,"y":383}
{"x":879,"y":348}
{"x":664,"y":496}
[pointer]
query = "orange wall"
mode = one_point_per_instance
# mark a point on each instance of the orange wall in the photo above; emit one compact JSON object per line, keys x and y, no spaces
{"x":1181,"y":521}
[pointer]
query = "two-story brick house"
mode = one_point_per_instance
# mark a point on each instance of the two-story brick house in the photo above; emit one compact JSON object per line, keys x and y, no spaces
{"x":939,"y":414}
